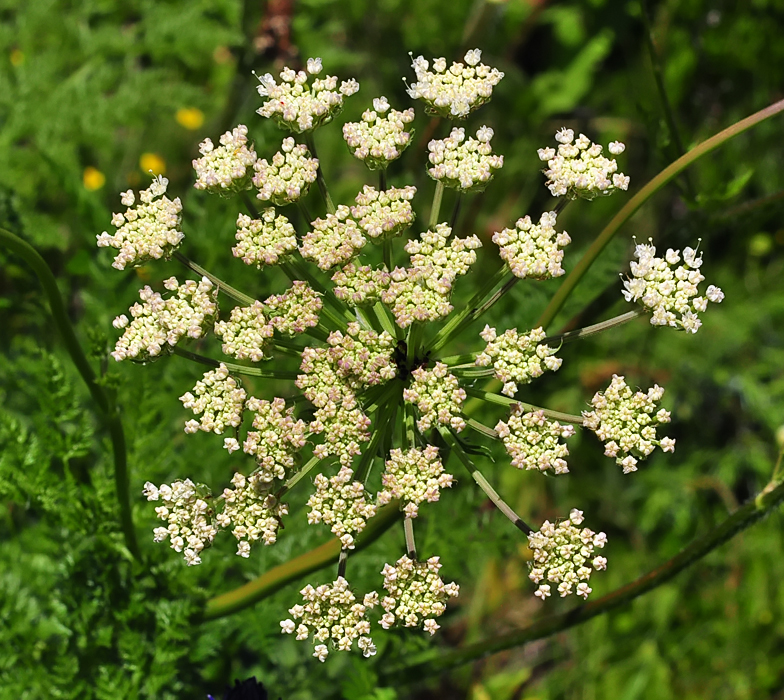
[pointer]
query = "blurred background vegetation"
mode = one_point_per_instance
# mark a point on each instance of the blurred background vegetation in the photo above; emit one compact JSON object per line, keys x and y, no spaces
{"x":96,"y":93}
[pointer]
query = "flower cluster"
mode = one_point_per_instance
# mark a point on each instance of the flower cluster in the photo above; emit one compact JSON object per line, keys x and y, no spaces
{"x":463,"y":164}
{"x":264,"y":241}
{"x":438,"y":397}
{"x":158,"y":324}
{"x":669,"y":292}
{"x":331,"y":613}
{"x":416,"y":595}
{"x":288,"y":177}
{"x":455,"y":91}
{"x":186,"y":509}
{"x":298,"y":106}
{"x":517,"y":358}
{"x":246,"y":333}
{"x":252,"y":511}
{"x":275,"y":439}
{"x":360,"y":285}
{"x":533,"y":250}
{"x":578,"y":168}
{"x":219,"y":400}
{"x":562,"y":555}
{"x":342,"y":504}
{"x":422,"y":291}
{"x":443,"y":263}
{"x":626,"y":422}
{"x":533,"y":442}
{"x":386,"y":214}
{"x":412,"y":477}
{"x":149,"y":231}
{"x":360,"y":357}
{"x":294,"y":311}
{"x":334,"y":240}
{"x":338,"y":416}
{"x":381,"y":136}
{"x":228,"y":168}
{"x":411,"y":298}
{"x":351,"y":370}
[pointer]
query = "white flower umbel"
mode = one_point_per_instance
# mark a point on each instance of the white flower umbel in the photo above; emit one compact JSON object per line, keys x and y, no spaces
{"x":288,"y":177}
{"x":533,"y":442}
{"x":262,"y":242}
{"x":362,"y":358}
{"x":531,"y":250}
{"x":334,"y":240}
{"x":319,"y":380}
{"x":335,"y":618}
{"x":275,"y":439}
{"x":457,"y":90}
{"x":578,"y":168}
{"x":517,"y":358}
{"x":246,"y":334}
{"x":463,"y":164}
{"x":149,"y":231}
{"x":441,"y":258}
{"x":670,"y":293}
{"x":416,"y":595}
{"x":187,"y":510}
{"x":411,"y":297}
{"x":563,"y":554}
{"x":219,"y":400}
{"x":344,"y":426}
{"x":342,"y":504}
{"x":381,"y":136}
{"x":413,"y":477}
{"x":438,"y":397}
{"x":294,"y":311}
{"x":159,"y":324}
{"x":252,"y":512}
{"x":383,"y":215}
{"x":626,"y":422}
{"x":228,"y":168}
{"x":360,"y":285}
{"x":421,"y":292}
{"x":299,"y":105}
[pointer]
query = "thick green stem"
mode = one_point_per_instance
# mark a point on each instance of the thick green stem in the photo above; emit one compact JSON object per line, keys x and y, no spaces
{"x":106,"y":405}
{"x":501,"y":400}
{"x":482,"y":429}
{"x":435,"y":208}
{"x":594,"y":329}
{"x":483,"y":483}
{"x":643,"y":196}
{"x":382,"y":180}
{"x":278,"y":577}
{"x":342,"y":561}
{"x":227,"y":289}
{"x":239,"y":369}
{"x":426,"y":665}
{"x":322,"y":184}
{"x":386,"y":249}
{"x":408,"y":529}
{"x":292,"y":481}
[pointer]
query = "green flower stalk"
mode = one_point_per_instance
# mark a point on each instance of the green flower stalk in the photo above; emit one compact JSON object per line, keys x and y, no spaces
{"x":381,"y":399}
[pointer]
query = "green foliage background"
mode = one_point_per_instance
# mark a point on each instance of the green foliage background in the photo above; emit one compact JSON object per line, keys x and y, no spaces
{"x":98,"y":83}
